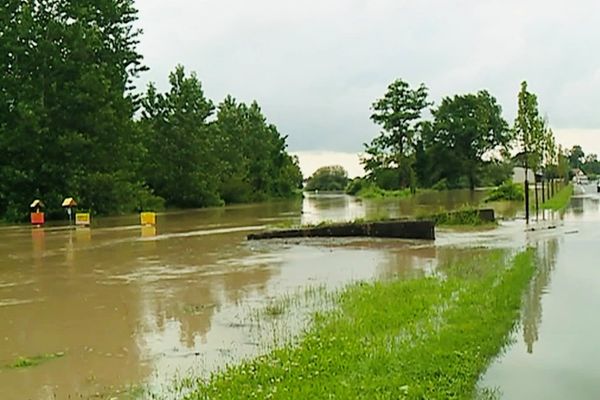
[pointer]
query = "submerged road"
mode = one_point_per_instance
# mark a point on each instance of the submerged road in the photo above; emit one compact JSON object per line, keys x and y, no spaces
{"x":556,"y":349}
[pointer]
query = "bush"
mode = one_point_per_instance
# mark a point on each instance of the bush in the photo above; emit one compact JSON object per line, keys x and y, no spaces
{"x":355,"y":186}
{"x":440,"y":185}
{"x":507,"y":191}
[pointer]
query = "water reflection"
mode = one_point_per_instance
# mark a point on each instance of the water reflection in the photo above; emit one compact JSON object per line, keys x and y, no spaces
{"x":531,"y":310}
{"x":38,"y":240}
{"x":340,"y":207}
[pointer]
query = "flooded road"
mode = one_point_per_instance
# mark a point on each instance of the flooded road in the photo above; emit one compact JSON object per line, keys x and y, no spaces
{"x":556,"y":351}
{"x":117,"y":306}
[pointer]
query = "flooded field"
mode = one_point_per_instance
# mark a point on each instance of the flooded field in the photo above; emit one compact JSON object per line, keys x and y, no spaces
{"x":117,"y":307}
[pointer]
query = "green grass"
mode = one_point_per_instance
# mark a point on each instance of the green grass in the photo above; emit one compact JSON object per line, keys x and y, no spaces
{"x":26,"y":362}
{"x":372,"y":191}
{"x":466,"y":217}
{"x":429,"y":337}
{"x":508,"y":191}
{"x":560,"y":201}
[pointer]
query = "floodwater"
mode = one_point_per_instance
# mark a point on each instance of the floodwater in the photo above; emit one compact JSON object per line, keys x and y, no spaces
{"x":126,"y":306}
{"x":556,"y":351}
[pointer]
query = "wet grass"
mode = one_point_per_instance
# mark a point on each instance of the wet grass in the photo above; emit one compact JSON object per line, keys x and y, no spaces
{"x":27,"y":362}
{"x":464,"y":217}
{"x":560,"y":201}
{"x":429,"y":337}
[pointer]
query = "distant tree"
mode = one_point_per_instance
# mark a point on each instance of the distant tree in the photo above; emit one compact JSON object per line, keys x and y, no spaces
{"x":576,"y":156}
{"x":329,"y":178}
{"x":398,"y":113}
{"x":465,"y":128}
{"x":591,"y":165}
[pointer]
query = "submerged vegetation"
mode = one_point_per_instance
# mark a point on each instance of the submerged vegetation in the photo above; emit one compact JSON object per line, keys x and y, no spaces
{"x":429,"y":337}
{"x":366,"y":189}
{"x":561,"y":200}
{"x":508,"y":191}
{"x":26,"y":362}
{"x":465,"y":216}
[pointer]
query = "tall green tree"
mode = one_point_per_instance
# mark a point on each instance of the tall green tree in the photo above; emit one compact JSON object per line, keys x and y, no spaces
{"x":398,"y":113}
{"x":257,"y":165}
{"x":182,"y":159}
{"x":66,"y":71}
{"x":528,"y":128}
{"x":465,"y":128}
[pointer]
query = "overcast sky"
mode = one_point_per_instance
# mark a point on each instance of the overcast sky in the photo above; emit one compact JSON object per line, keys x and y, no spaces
{"x":315,"y":67}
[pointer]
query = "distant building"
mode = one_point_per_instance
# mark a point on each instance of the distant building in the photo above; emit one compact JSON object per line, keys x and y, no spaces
{"x":519,"y":175}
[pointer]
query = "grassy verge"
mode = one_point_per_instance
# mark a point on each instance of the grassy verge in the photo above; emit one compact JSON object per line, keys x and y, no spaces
{"x":424,"y":338}
{"x":560,"y":201}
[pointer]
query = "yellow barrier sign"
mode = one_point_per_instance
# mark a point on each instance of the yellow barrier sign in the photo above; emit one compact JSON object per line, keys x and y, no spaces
{"x":82,"y":219}
{"x":148,"y":218}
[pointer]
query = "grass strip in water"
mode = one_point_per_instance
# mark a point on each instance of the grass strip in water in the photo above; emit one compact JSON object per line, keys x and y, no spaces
{"x":561,"y":200}
{"x":429,"y":337}
{"x":466,"y":216}
{"x":26,"y":362}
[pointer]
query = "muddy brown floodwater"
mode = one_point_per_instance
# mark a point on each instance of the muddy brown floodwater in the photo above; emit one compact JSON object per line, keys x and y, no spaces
{"x":126,"y":306}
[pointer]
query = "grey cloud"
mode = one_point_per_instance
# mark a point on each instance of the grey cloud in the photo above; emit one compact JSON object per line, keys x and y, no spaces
{"x":316,"y":66}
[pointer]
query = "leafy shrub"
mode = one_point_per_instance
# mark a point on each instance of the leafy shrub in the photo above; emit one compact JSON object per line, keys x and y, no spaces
{"x":507,"y":191}
{"x":355,"y":186}
{"x":440,"y":185}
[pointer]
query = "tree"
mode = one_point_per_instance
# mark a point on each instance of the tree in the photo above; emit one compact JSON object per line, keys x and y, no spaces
{"x":66,"y":77}
{"x":256,"y":164}
{"x":576,"y":157}
{"x":329,"y":178}
{"x":528,"y":128}
{"x":465,"y":128}
{"x":182,"y":164}
{"x":398,"y":113}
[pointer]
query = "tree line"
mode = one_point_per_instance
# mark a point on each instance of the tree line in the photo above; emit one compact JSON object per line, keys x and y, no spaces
{"x":463,"y":142}
{"x":71,"y":123}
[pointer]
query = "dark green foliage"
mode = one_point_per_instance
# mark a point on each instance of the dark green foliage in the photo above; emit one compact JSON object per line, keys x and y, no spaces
{"x":182,"y":164}
{"x":398,"y":113}
{"x":464,"y":129}
{"x":191,"y":162}
{"x":253,"y":159}
{"x":496,"y":172}
{"x":507,"y":191}
{"x":576,"y":157}
{"x":447,"y":152}
{"x":331,"y":178}
{"x":66,"y":125}
{"x":355,"y":185}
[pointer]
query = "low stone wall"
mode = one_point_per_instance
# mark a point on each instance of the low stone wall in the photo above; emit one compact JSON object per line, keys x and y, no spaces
{"x":385,"y":229}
